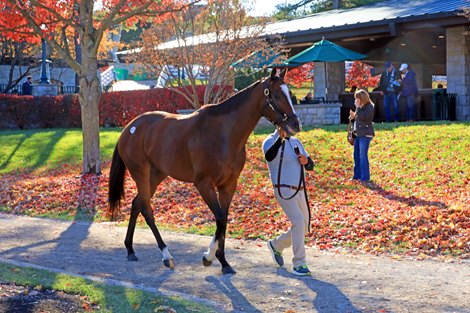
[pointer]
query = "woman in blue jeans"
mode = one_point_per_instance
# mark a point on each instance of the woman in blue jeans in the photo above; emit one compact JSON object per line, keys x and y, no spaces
{"x":364,"y":130}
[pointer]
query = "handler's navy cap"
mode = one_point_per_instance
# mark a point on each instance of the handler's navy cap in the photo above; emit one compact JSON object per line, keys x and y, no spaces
{"x":388,"y":64}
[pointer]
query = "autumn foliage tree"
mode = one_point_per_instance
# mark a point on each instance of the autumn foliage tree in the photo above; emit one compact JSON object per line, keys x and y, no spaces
{"x":80,"y":25}
{"x":359,"y":76}
{"x":205,"y":41}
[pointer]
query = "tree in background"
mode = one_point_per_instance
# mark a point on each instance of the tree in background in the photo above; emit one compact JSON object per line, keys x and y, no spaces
{"x":63,"y":23}
{"x":359,"y":76}
{"x":19,"y":56}
{"x":305,"y":7}
{"x":206,"y":40}
{"x":300,"y":75}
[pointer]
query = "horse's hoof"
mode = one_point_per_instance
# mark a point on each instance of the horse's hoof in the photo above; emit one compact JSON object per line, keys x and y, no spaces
{"x":132,"y":257}
{"x":206,"y":262}
{"x":169,"y":263}
{"x":228,"y":270}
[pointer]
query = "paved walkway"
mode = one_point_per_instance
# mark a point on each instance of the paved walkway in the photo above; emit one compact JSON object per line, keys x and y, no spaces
{"x":341,"y":282}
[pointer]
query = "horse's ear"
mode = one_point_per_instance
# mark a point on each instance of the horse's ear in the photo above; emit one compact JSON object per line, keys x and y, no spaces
{"x":283,"y":72}
{"x":273,"y":73}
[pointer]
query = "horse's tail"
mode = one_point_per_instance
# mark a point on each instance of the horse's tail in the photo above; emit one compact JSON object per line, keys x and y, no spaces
{"x":116,"y":183}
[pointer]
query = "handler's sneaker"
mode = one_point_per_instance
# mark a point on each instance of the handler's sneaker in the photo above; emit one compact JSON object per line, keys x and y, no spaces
{"x":301,"y":271}
{"x":277,"y":256}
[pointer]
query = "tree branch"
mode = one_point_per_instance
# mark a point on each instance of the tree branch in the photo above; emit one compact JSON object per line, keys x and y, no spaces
{"x":59,"y":17}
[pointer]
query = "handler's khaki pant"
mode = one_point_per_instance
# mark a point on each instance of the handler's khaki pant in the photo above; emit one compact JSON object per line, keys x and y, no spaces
{"x":297,"y":211}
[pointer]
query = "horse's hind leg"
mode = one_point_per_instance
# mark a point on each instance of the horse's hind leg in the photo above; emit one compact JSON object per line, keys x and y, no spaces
{"x":147,"y":212}
{"x":146,"y":188}
{"x":155,"y":179}
{"x":128,"y":242}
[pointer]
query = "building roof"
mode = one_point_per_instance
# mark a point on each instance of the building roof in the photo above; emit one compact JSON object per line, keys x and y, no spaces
{"x":390,"y":30}
{"x":384,"y":12}
{"x":383,"y":19}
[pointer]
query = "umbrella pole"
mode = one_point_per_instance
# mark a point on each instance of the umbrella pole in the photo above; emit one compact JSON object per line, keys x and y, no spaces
{"x":326,"y":82}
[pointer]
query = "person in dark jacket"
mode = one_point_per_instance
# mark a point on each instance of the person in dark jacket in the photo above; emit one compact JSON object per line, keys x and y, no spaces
{"x":389,"y":87}
{"x":364,"y":129}
{"x":409,"y":90}
{"x":27,"y":88}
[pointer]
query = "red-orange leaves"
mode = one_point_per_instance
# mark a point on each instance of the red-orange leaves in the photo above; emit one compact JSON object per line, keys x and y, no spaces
{"x":401,"y":213}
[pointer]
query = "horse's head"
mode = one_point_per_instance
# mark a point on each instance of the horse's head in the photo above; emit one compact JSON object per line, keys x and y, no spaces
{"x":278,"y":107}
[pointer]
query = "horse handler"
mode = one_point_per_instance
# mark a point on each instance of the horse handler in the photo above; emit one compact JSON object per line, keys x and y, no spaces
{"x":286,"y":158}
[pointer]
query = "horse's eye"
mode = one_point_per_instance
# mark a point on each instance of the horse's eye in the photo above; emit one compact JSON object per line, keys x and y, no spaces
{"x":277,"y":96}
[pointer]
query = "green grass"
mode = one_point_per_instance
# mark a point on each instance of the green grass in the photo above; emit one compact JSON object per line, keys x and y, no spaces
{"x":79,"y":215}
{"x":396,"y":144}
{"x":108,"y":298}
{"x":208,"y":230}
{"x":48,"y":149}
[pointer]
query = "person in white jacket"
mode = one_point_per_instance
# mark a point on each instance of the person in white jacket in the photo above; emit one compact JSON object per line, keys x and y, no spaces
{"x":289,"y":192}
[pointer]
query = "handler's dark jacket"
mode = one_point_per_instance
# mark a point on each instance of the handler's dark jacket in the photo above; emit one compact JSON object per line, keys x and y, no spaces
{"x":363,"y":124}
{"x":389,"y":82}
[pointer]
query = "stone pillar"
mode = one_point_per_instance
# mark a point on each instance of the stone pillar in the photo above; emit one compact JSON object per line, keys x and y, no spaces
{"x":458,"y":69}
{"x":319,"y":79}
{"x":423,"y":75}
{"x":335,"y":80}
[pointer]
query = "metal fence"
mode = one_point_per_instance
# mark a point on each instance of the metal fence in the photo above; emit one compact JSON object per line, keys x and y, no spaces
{"x":18,"y":89}
{"x":432,"y":105}
{"x":69,"y":89}
{"x":444,"y":106}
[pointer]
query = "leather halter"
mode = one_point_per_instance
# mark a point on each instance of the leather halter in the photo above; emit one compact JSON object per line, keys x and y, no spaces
{"x":271,"y":105}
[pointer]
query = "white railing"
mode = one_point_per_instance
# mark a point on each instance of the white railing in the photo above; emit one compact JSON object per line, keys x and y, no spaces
{"x":107,"y":77}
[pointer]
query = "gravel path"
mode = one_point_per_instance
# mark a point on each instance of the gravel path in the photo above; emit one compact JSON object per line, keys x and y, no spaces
{"x":340,"y":283}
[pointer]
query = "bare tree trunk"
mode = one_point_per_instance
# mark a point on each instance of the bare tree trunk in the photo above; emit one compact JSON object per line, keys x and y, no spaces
{"x":89,"y":96}
{"x":78,"y":57}
{"x":16,"y":52}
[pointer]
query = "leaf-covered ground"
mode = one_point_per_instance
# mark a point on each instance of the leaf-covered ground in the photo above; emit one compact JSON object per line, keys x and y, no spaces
{"x":419,"y":204}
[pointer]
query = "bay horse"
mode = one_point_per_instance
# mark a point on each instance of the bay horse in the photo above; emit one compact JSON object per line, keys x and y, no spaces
{"x":206,"y":148}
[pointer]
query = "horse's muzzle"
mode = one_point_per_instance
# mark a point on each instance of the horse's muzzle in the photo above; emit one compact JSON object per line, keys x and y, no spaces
{"x":292,"y":125}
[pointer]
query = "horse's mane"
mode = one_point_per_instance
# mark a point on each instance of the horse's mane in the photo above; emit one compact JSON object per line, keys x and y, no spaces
{"x":229,"y":105}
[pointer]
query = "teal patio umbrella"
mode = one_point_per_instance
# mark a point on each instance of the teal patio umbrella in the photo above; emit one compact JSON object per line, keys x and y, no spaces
{"x":324,"y":51}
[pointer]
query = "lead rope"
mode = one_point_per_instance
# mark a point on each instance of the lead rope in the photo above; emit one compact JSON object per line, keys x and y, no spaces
{"x":301,"y":181}
{"x":306,"y":200}
{"x":281,"y":157}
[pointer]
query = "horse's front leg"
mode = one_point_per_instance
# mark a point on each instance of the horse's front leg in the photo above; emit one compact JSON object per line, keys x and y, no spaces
{"x":225,"y":198}
{"x":217,"y":246}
